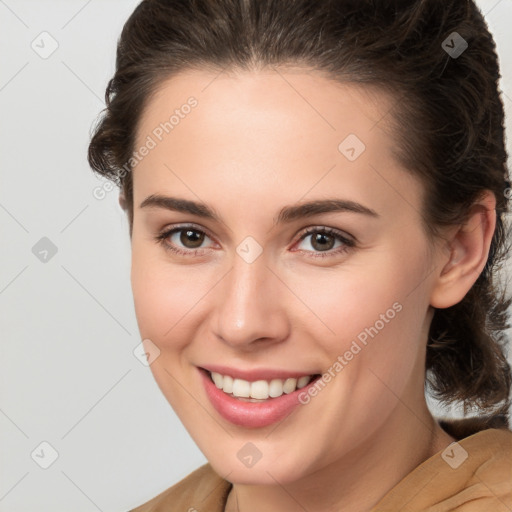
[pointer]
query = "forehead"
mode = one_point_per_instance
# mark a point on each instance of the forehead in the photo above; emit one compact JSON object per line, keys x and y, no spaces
{"x":260,"y":98}
{"x":268,"y":130}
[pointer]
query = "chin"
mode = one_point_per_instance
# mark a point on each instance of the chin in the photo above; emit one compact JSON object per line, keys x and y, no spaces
{"x":264,"y":475}
{"x":262,"y":472}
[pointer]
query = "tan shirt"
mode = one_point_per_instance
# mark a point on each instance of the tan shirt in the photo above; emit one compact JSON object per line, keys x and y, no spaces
{"x":473,"y":475}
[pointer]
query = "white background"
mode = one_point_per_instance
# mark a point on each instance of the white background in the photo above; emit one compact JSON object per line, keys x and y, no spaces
{"x":68,"y":328}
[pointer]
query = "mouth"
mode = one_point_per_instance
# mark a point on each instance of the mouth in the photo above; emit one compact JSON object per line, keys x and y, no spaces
{"x":254,"y":403}
{"x":258,"y":390}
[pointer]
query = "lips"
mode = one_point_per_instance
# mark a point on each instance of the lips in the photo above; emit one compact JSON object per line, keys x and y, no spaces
{"x":256,"y":374}
{"x":245,"y":410}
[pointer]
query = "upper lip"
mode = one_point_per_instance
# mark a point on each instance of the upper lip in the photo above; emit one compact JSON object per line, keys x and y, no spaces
{"x":255,"y":374}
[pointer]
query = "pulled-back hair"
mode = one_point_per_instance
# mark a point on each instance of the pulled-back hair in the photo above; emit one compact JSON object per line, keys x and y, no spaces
{"x":447,"y":115}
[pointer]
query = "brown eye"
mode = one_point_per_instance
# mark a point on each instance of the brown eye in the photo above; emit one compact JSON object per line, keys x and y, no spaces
{"x":191,"y":238}
{"x":184,"y":240}
{"x":323,"y":242}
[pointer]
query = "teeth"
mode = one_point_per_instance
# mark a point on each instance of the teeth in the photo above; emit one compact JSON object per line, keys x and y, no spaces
{"x":241,"y":388}
{"x":289,"y":386}
{"x":303,"y":381}
{"x":218,"y":379}
{"x":260,"y":389}
{"x":227,"y":384}
{"x":275,"y":388}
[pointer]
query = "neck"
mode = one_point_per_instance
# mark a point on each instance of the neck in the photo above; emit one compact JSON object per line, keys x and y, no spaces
{"x":356,"y":482}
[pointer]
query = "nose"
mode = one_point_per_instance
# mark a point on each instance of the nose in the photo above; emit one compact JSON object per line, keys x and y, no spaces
{"x":250,"y":308}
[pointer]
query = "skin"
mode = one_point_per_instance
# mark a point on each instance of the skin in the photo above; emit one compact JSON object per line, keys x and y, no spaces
{"x":258,"y":141}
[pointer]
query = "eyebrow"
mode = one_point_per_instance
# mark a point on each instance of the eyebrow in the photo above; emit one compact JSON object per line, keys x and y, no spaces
{"x":287,"y":213}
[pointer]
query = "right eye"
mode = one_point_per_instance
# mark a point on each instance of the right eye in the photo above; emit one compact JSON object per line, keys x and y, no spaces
{"x":189,"y":237}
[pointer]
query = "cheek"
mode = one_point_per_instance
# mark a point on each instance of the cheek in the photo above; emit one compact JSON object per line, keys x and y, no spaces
{"x":156,"y":293}
{"x":355,"y":298}
{"x":166,"y":296}
{"x":163,"y":296}
{"x":374,"y":312}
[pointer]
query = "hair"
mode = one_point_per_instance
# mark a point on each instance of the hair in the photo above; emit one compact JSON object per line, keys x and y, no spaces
{"x":447,"y":115}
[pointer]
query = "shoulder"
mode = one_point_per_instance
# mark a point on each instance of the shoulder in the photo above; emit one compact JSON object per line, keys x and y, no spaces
{"x":203,"y":489}
{"x":473,"y":474}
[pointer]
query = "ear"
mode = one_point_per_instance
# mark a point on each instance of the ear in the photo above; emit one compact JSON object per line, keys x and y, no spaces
{"x":469,"y":246}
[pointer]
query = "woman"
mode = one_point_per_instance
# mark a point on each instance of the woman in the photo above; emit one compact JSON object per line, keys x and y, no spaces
{"x":316,"y":197}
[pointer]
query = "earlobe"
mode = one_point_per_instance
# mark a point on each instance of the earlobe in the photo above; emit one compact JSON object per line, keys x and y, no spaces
{"x":469,"y":250}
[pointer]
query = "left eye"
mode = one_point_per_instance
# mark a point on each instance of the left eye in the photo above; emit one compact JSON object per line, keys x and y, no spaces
{"x":322,"y":240}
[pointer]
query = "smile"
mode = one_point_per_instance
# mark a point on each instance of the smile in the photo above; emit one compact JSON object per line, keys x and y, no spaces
{"x":258,"y":400}
{"x":259,"y":390}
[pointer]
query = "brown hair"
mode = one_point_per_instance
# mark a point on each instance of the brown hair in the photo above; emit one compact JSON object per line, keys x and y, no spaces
{"x":448,"y":117}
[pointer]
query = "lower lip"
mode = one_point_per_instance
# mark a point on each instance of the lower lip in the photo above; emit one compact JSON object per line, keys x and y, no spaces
{"x":251,"y":414}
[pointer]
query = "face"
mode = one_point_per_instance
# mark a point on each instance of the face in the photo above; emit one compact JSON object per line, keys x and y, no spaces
{"x":262,"y":292}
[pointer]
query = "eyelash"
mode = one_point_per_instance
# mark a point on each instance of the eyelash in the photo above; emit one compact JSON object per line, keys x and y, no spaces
{"x":348,"y":243}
